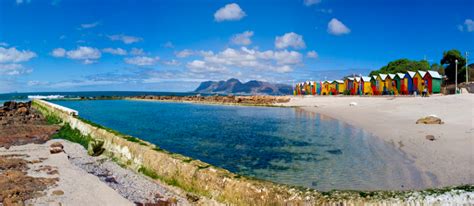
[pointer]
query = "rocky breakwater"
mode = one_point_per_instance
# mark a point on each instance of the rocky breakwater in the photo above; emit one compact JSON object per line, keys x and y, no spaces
{"x":21,"y":124}
{"x":241,"y":100}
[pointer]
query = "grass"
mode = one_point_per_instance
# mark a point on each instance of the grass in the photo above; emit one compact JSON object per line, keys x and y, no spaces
{"x":203,"y":167}
{"x":150,"y":173}
{"x":132,"y":139}
{"x":117,"y":161}
{"x":188,"y":160}
{"x":73,"y":135}
{"x":51,"y":119}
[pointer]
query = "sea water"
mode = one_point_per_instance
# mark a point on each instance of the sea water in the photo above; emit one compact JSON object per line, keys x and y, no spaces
{"x":284,"y":145}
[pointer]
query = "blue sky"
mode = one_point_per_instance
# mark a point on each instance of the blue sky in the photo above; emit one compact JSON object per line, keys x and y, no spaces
{"x":158,"y":45}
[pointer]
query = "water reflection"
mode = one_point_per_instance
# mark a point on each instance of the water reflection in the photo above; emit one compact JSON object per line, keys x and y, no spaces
{"x":286,"y":145}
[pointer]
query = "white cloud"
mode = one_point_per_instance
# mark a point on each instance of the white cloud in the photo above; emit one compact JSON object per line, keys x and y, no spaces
{"x":4,"y":44}
{"x":80,"y":83}
{"x":142,"y":60}
{"x":290,"y":40}
{"x":89,"y":61}
{"x":275,"y":61}
{"x":13,"y":69}
{"x":242,"y":38}
{"x":58,"y":52}
{"x":89,"y":55}
{"x":184,"y":53}
{"x":311,"y":2}
{"x":312,"y":54}
{"x":125,"y":39}
{"x":198,"y":66}
{"x":172,"y":62}
{"x":117,"y":51}
{"x":84,"y":53}
{"x":36,"y":83}
{"x":137,"y":52}
{"x":91,"y":25}
{"x":467,"y":26}
{"x":336,"y":27}
{"x":230,"y":12}
{"x":12,"y":55}
{"x":287,"y":57}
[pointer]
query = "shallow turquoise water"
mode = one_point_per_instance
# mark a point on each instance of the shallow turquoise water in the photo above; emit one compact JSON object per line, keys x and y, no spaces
{"x":285,"y":145}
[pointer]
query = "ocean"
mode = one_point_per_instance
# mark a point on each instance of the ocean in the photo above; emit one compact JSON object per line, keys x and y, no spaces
{"x":284,"y":145}
{"x":24,"y":96}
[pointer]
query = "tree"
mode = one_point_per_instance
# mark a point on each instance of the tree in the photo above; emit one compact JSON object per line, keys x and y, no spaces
{"x":471,"y":72}
{"x":438,"y":68}
{"x":449,"y":59}
{"x":402,"y":66}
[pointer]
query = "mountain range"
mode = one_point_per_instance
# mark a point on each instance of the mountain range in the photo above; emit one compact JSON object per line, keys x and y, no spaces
{"x":234,"y":86}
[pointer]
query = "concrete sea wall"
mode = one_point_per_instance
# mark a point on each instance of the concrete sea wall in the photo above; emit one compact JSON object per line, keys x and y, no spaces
{"x":202,"y":179}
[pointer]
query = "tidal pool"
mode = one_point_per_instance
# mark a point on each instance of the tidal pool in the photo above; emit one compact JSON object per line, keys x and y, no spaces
{"x":285,"y":145}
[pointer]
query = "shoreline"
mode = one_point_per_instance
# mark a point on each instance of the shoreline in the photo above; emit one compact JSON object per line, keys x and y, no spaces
{"x":436,"y":173}
{"x":458,"y":194}
{"x":241,"y":186}
{"x":392,"y":120}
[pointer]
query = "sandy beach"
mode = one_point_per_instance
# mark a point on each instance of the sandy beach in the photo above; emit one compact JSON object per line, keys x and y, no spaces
{"x":445,"y":161}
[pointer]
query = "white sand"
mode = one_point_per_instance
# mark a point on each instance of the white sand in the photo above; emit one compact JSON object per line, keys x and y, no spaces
{"x":450,"y":157}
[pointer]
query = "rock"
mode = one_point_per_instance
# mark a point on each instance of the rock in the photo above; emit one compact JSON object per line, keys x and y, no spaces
{"x":55,"y":150}
{"x":173,"y":200}
{"x":430,"y":137}
{"x":430,"y":120}
{"x":10,"y":105}
{"x":254,"y":100}
{"x":192,"y":198}
{"x":58,"y":192}
{"x":22,"y":110}
{"x":111,"y":180}
{"x":57,"y":144}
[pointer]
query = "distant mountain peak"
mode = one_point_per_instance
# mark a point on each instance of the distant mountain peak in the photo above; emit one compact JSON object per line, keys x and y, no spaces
{"x":235,"y":86}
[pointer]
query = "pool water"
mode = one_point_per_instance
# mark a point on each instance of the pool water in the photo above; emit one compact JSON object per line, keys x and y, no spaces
{"x":285,"y":145}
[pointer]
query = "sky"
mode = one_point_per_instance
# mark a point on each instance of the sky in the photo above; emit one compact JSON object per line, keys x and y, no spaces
{"x":173,"y":45}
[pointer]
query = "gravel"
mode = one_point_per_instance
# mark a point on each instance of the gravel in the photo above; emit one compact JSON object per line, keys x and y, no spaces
{"x":130,"y":185}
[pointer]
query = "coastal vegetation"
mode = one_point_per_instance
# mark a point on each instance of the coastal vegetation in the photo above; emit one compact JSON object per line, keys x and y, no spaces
{"x":402,"y":66}
{"x":449,"y":63}
{"x":73,"y":135}
{"x":446,"y":66}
